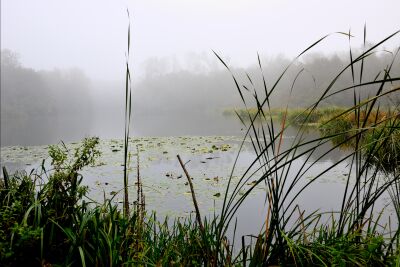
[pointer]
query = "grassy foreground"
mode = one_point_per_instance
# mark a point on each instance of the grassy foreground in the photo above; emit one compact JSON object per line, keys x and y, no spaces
{"x":46,"y":220}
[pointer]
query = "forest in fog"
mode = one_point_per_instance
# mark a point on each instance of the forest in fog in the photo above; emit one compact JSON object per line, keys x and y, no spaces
{"x":69,"y":103}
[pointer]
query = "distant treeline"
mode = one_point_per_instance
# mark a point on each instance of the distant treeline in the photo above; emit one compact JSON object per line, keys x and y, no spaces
{"x":164,"y":88}
{"x":32,"y":100}
{"x":177,"y":94}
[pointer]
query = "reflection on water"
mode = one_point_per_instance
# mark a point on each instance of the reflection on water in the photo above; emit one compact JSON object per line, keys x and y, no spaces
{"x":51,"y":130}
{"x":45,"y":130}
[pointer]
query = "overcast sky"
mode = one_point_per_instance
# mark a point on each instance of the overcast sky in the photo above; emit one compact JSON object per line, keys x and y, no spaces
{"x":91,"y":34}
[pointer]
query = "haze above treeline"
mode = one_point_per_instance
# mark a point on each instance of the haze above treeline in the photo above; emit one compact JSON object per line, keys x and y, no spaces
{"x":92,"y":34}
{"x":171,"y":97}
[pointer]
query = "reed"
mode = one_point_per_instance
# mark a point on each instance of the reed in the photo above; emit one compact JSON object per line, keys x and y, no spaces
{"x":128,"y":114}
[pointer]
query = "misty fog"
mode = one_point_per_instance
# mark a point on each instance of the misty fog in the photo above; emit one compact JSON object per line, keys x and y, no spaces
{"x":171,"y":98}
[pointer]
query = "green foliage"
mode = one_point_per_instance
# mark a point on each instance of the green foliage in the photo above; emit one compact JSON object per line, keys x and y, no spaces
{"x":58,"y":156}
{"x":337,"y":129}
{"x":30,"y":206}
{"x":83,"y":155}
{"x":316,"y":116}
{"x":376,"y":135}
{"x":383,"y":144}
{"x":351,"y":250}
{"x":296,"y":116}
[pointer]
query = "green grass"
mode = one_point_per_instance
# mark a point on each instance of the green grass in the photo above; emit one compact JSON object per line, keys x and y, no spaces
{"x":379,"y":136}
{"x":46,"y":219}
{"x":303,"y":116}
{"x":38,"y":227}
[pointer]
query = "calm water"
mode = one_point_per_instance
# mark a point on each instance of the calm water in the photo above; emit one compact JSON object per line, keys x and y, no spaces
{"x":210,"y":160}
{"x":107,"y":125}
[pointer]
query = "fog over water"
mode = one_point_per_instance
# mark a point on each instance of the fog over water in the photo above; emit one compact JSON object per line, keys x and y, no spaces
{"x":41,"y":107}
{"x":62,"y":72}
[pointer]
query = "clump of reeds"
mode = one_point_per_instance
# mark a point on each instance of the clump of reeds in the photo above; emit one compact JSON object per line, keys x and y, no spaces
{"x":354,"y":227}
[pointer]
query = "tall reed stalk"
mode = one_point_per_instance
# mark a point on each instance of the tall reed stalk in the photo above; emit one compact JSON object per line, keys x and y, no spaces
{"x":128,"y":113}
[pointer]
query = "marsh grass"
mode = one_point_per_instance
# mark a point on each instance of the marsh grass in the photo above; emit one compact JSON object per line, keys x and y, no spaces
{"x":340,"y":124}
{"x":294,"y":116}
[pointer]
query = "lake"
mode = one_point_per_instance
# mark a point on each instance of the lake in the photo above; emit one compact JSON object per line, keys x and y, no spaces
{"x":209,"y":161}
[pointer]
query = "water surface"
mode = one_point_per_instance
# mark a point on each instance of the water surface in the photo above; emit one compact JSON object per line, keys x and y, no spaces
{"x":209,"y":161}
